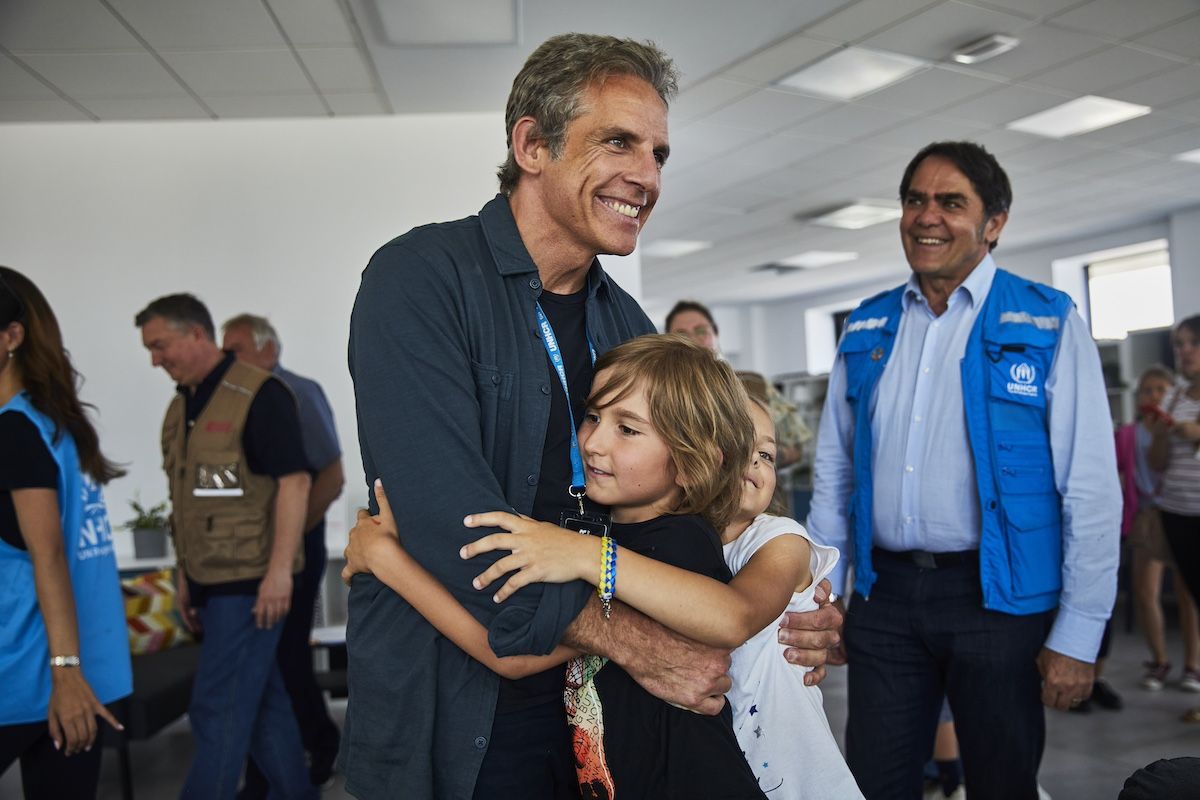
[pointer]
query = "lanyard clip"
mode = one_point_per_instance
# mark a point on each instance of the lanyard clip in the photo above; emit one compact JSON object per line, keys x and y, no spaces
{"x":578,"y":492}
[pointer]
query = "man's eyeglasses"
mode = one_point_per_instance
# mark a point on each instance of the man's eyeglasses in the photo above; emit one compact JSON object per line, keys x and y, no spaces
{"x":699,"y":332}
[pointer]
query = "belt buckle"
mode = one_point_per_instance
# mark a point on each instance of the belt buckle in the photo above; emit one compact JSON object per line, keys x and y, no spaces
{"x":924,"y":559}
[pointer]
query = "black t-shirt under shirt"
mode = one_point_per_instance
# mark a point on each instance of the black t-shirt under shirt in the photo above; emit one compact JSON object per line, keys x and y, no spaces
{"x":568,"y":319}
{"x":652,"y":748}
{"x":27,"y":464}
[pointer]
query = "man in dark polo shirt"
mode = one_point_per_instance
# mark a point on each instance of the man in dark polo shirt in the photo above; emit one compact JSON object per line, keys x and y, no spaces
{"x":239,"y":482}
{"x":471,"y":349}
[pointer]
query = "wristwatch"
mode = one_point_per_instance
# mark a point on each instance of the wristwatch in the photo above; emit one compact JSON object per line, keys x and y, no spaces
{"x":64,"y":661}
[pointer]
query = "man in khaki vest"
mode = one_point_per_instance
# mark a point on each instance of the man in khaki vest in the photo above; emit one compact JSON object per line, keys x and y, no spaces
{"x":235,"y":464}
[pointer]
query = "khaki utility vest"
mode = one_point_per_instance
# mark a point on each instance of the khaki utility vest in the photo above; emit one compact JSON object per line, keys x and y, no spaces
{"x":223,"y":515}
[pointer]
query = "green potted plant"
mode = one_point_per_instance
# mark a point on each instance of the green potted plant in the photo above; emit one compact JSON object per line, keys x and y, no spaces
{"x":149,"y":526}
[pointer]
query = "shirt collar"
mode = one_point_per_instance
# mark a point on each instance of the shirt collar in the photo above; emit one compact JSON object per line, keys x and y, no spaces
{"x":975,"y":288}
{"x":508,"y":250}
{"x":210,"y":381}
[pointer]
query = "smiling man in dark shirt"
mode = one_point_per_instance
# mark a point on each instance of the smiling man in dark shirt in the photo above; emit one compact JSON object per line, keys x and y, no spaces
{"x":471,"y":349}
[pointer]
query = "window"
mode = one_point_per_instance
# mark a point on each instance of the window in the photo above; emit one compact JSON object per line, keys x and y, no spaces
{"x":1130,"y":293}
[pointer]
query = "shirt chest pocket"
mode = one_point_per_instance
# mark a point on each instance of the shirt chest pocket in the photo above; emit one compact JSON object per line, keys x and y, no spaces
{"x":493,"y":392}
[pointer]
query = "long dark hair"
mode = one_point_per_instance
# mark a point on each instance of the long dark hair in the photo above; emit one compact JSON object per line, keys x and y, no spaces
{"x":49,"y":377}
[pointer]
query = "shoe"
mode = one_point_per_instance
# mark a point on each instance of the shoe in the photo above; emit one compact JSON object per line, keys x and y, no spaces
{"x":1106,"y":697}
{"x":1190,"y":682}
{"x":1156,"y":674}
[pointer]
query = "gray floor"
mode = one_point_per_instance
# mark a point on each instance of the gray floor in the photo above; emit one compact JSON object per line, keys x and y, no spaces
{"x":1088,"y":756}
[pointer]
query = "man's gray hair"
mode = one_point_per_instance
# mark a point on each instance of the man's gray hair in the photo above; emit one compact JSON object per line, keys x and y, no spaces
{"x":261,"y":330}
{"x":550,"y":86}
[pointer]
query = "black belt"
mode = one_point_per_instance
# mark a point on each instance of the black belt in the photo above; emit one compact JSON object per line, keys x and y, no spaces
{"x":926,"y":560}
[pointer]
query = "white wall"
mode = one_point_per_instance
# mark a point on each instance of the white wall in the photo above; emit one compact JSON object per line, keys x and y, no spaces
{"x":1185,"y":262}
{"x":274,"y":217}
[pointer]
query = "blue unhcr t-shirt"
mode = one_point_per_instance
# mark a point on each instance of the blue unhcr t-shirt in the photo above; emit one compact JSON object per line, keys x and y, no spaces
{"x":87,"y":540}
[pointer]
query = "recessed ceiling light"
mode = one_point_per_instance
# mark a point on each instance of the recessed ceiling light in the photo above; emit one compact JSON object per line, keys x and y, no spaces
{"x":1191,"y":155}
{"x":674,"y":248}
{"x":861,"y":214}
{"x":819,"y":258}
{"x":1081,"y":115}
{"x":853,"y":72}
{"x":985,"y":48}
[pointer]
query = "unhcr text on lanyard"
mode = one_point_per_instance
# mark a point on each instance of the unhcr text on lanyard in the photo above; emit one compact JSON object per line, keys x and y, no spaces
{"x":578,"y":487}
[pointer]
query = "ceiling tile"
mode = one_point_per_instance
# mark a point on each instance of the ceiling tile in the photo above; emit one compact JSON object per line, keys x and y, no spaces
{"x":1133,"y":131}
{"x":61,"y":25}
{"x":1122,"y":19}
{"x":1005,"y":105}
{"x":82,"y":75}
{"x":1047,"y":155}
{"x":1041,"y":48}
{"x":774,"y":62}
{"x":17,"y":84}
{"x":1163,"y":89}
{"x":934,"y":34}
{"x":313,"y":22}
{"x":1180,"y":141}
{"x":914,"y":135}
{"x":1099,"y":72}
{"x":1031,"y":8}
{"x":928,"y":90}
{"x":706,"y":97}
{"x":699,"y":141}
{"x":266,"y":105}
{"x":774,"y":152}
{"x":54,"y":110}
{"x":768,"y":110}
{"x":1186,"y":109}
{"x":861,"y":19}
{"x":354,"y":104}
{"x":1001,"y":141}
{"x":239,"y":71}
{"x":181,"y":24}
{"x":1181,"y":38}
{"x":337,"y":68}
{"x":849,"y":122}
{"x":180,"y":106}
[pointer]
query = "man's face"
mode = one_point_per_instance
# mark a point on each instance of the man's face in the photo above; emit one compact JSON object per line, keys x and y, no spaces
{"x":179,"y":353}
{"x":943,"y":228}
{"x":696,"y":327}
{"x":240,"y":341}
{"x":600,"y":192}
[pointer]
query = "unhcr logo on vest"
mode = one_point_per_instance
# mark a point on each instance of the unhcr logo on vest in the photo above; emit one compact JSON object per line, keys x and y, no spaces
{"x":1023,"y":376}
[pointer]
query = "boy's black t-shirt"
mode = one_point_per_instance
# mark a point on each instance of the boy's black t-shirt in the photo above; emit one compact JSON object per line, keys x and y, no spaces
{"x":652,"y":748}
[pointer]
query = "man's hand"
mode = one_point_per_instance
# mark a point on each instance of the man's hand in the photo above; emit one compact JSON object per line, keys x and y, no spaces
{"x":1066,"y":682}
{"x":809,"y":635}
{"x":274,"y":597}
{"x":669,"y":666}
{"x":684,"y":673}
{"x":183,"y":602}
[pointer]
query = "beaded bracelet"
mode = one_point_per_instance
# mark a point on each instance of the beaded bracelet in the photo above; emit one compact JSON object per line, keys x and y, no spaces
{"x":608,"y":574}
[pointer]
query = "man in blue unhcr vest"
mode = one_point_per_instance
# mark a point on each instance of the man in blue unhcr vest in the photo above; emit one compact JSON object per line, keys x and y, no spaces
{"x":965,"y":467}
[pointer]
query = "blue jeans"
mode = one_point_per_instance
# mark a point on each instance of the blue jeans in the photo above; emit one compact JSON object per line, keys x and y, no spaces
{"x":925,"y":634}
{"x":239,"y":707}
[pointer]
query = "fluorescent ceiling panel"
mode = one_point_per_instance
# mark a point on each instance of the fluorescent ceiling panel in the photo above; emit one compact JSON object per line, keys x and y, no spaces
{"x":447,"y":22}
{"x":813,"y":259}
{"x":1081,"y":115}
{"x":862,"y":214}
{"x":674,"y":248}
{"x":1191,"y":155}
{"x":853,"y":72}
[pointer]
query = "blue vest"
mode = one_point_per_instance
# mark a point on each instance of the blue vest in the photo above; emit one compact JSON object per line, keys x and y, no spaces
{"x":1004,"y":369}
{"x":99,"y":609}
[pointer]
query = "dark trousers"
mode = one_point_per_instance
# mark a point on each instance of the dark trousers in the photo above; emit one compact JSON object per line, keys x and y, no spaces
{"x":923,"y":634}
{"x":317,"y":729}
{"x":46,"y":773}
{"x":1183,"y":535}
{"x":529,"y":755}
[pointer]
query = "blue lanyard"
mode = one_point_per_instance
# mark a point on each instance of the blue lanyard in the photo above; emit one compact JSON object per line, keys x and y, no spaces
{"x":578,"y":481}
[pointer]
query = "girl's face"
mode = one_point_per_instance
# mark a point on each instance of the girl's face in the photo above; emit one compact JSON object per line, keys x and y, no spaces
{"x":1187,"y":353}
{"x":1151,"y":391}
{"x":758,"y":482}
{"x":628,"y":465}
